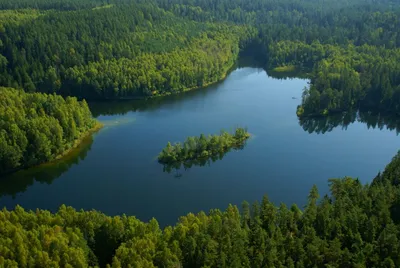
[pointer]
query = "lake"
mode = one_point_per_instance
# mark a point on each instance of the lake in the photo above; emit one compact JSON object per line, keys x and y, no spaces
{"x":116,"y":170}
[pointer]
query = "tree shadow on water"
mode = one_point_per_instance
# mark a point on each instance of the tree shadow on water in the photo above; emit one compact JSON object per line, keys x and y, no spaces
{"x":321,"y":125}
{"x":178,"y":168}
{"x":20,"y":181}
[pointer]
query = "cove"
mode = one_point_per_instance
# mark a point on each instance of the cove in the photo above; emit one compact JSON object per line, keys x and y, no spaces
{"x":116,"y":171}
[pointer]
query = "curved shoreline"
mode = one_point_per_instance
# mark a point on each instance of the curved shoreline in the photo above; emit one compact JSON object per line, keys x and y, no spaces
{"x":76,"y":143}
{"x":63,"y":155}
{"x":222,"y":78}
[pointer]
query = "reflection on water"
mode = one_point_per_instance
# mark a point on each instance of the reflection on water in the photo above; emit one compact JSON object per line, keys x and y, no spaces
{"x":297,"y":73}
{"x":120,"y":173}
{"x":107,"y":124}
{"x":186,"y":165}
{"x":122,"y":107}
{"x":322,"y":125}
{"x":19,"y":181}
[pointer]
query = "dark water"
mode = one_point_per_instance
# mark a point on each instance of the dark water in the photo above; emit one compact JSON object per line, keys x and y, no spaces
{"x":116,"y":171}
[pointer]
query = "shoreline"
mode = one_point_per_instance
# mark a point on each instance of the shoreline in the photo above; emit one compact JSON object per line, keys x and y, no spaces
{"x":223,"y":77}
{"x":76,"y":143}
{"x":61,"y":156}
{"x":285,"y":68}
{"x":237,"y":144}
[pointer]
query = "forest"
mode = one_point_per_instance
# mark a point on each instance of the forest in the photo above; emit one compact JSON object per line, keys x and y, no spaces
{"x":355,"y":226}
{"x":195,"y":148}
{"x":54,"y":54}
{"x":344,"y":78}
{"x":123,"y":49}
{"x":36,"y":128}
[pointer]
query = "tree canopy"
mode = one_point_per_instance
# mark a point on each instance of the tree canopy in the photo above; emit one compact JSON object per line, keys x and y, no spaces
{"x":195,"y":148}
{"x":355,"y":226}
{"x":37,"y":128}
{"x":112,"y":49}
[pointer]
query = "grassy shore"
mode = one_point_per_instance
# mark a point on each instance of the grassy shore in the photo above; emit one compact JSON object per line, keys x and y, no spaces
{"x":63,"y":155}
{"x":78,"y":141}
{"x":287,"y":68}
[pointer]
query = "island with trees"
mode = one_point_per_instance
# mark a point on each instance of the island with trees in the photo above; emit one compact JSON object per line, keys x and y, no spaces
{"x":355,"y":226}
{"x":203,"y":147}
{"x":36,"y":128}
{"x":120,"y":49}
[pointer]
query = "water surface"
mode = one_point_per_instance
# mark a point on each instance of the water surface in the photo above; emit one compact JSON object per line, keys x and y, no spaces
{"x":117,"y":171}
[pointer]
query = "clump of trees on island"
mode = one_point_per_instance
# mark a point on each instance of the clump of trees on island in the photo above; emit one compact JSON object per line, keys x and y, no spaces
{"x":202,"y":147}
{"x":121,"y":49}
{"x":37,"y":128}
{"x":355,"y":226}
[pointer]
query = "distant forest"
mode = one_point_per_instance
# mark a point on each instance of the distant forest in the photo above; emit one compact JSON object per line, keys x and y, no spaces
{"x":54,"y":53}
{"x":113,"y":49}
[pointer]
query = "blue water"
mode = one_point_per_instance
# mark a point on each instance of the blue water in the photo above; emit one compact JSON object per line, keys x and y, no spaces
{"x":118,"y":173}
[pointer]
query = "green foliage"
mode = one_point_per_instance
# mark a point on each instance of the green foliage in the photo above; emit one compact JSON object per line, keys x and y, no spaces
{"x":344,"y":77}
{"x":159,"y":74}
{"x":356,"y":226}
{"x":134,"y":48}
{"x":202,"y":147}
{"x":122,"y":51}
{"x":138,"y":48}
{"x":17,"y":16}
{"x":36,"y":128}
{"x":51,"y":4}
{"x":20,"y":181}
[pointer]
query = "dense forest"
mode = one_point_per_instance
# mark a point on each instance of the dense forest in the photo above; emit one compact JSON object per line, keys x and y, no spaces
{"x":123,"y":49}
{"x":344,"y":78}
{"x":113,"y":49}
{"x":116,"y":52}
{"x":355,"y":226}
{"x":37,"y":128}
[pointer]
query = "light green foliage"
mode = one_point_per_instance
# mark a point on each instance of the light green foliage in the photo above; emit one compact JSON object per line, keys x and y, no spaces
{"x":126,"y":49}
{"x":203,"y":61}
{"x":52,"y":4}
{"x":35,"y":128}
{"x":122,"y":51}
{"x":344,"y":77}
{"x":356,"y":226}
{"x":203,"y":147}
{"x":136,"y":48}
{"x":17,"y":16}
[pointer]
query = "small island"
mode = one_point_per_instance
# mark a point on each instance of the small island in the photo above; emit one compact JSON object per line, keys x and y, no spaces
{"x":203,"y":147}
